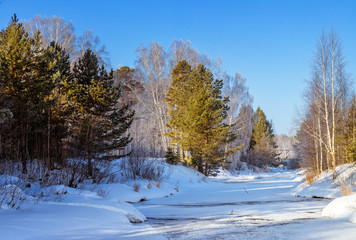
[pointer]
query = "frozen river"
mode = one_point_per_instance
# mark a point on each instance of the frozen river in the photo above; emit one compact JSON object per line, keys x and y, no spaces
{"x":231,"y":208}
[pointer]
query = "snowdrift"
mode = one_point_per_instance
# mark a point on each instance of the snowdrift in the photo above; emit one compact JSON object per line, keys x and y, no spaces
{"x":327,"y":187}
{"x":342,"y":208}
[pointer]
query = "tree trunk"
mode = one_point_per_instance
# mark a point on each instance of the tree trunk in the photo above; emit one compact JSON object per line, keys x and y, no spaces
{"x":181,"y":154}
{"x":206,"y":169}
{"x":22,"y":145}
{"x":321,"y":147}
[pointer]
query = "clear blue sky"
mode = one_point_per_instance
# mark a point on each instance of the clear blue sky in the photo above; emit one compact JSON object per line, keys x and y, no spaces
{"x":271,"y":43}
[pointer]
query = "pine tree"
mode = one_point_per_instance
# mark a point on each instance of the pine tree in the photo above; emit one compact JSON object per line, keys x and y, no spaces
{"x":129,"y":84}
{"x":19,"y":85}
{"x":100,"y":124}
{"x":176,"y":98}
{"x":262,"y":133}
{"x":197,"y":111}
{"x":350,"y":134}
{"x":262,"y":145}
{"x":55,"y":72}
{"x":171,"y":157}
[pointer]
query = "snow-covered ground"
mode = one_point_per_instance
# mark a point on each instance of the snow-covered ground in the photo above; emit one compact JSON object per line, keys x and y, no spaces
{"x":184,"y":205}
{"x":91,"y":212}
{"x":342,"y":207}
{"x":327,"y":187}
{"x":249,"y":206}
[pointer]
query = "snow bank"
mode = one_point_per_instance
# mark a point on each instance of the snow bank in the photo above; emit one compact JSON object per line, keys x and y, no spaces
{"x":257,"y":173}
{"x":132,"y":214}
{"x":179,"y":174}
{"x":327,"y":187}
{"x":91,"y":210}
{"x":11,"y":196}
{"x":343,"y":208}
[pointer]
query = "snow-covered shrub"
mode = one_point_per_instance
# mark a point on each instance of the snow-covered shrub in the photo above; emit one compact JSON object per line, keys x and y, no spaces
{"x":260,"y":158}
{"x":71,"y":173}
{"x":237,"y":165}
{"x":11,"y":196}
{"x":293,"y":163}
{"x":136,"y":187}
{"x":75,"y":172}
{"x":138,"y":166}
{"x":102,"y":192}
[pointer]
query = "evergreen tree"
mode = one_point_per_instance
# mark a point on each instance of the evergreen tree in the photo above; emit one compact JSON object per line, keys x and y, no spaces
{"x":262,"y":145}
{"x":55,"y":71}
{"x":130,"y":85}
{"x":20,"y":87}
{"x":197,"y":111}
{"x":176,"y":99}
{"x":171,"y":157}
{"x":262,"y":133}
{"x":100,"y":124}
{"x":350,"y":134}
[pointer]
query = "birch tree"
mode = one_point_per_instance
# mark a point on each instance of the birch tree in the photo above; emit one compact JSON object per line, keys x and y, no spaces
{"x":237,"y":91}
{"x":153,"y":72}
{"x":329,"y":97}
{"x":53,"y":29}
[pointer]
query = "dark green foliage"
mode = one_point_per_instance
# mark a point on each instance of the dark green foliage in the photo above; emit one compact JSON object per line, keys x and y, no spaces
{"x":350,"y":133}
{"x":171,"y":157}
{"x":262,"y":133}
{"x":56,"y":112}
{"x":99,"y":124}
{"x":262,"y":146}
{"x":54,"y":106}
{"x":34,"y":87}
{"x":20,"y":88}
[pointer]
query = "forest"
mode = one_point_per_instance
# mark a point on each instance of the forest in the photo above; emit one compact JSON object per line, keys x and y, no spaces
{"x":172,"y":143}
{"x":65,"y":113}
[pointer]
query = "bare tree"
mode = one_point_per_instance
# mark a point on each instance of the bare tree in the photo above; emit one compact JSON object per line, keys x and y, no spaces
{"x":328,"y":96}
{"x":180,"y":50}
{"x":91,"y":41}
{"x":237,"y":91}
{"x":285,"y":148}
{"x":53,"y":29}
{"x":244,"y":123}
{"x":56,"y":29}
{"x":153,"y":71}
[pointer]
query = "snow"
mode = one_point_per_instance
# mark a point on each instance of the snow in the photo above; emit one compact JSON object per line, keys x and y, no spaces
{"x":327,"y":187}
{"x":251,"y":206}
{"x":342,"y":208}
{"x":185,"y":204}
{"x":103,"y":211}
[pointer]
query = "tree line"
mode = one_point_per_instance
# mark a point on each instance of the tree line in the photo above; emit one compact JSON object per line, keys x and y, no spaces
{"x":59,"y":100}
{"x":57,"y":111}
{"x":327,"y":132}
